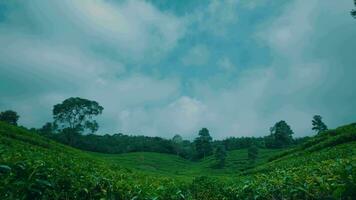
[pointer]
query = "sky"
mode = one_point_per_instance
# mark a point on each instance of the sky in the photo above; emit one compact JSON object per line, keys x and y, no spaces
{"x":161,"y":68}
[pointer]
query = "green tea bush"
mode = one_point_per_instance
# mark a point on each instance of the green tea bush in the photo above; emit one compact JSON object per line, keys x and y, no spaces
{"x":31,"y":170}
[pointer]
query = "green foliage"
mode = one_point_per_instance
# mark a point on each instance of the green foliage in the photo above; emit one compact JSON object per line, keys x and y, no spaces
{"x":203,"y":144}
{"x":171,"y":165}
{"x":32,"y":170}
{"x":326,"y":139}
{"x":33,"y":167}
{"x":220,"y":156}
{"x":300,"y":140}
{"x":207,"y":188}
{"x":177,"y":139}
{"x":318,"y":124}
{"x":77,"y":114}
{"x":121,"y":143}
{"x":10,"y":117}
{"x":233,"y":143}
{"x":177,"y":144}
{"x":252,"y":153}
{"x":281,"y":135}
{"x":114,"y":144}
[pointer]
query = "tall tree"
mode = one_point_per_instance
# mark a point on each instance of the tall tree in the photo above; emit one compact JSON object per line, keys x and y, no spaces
{"x":252,"y":153}
{"x":220,"y":156}
{"x":77,"y":114}
{"x":318,"y":124}
{"x":10,"y":117}
{"x":353,"y":11}
{"x":281,"y":134}
{"x":177,"y":144}
{"x":203,"y":143}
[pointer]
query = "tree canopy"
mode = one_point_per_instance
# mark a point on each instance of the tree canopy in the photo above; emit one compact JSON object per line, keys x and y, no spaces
{"x":203,"y":143}
{"x":177,"y":139}
{"x":77,"y":114}
{"x":10,"y":117}
{"x":318,"y":124}
{"x":281,"y":135}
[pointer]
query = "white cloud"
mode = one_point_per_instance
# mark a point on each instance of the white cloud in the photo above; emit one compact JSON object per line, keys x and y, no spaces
{"x":252,"y":4}
{"x":80,"y":48}
{"x":128,"y":102}
{"x":58,"y":55}
{"x":289,"y":34}
{"x":217,"y":18}
{"x":198,"y":55}
{"x":225,"y":64}
{"x":53,"y":63}
{"x":133,"y":30}
{"x":184,"y":115}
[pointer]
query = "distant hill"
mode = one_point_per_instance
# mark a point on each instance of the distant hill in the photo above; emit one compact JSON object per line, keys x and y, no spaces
{"x":34,"y":167}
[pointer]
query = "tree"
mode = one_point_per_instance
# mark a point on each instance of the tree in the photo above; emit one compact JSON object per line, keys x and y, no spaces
{"x":220,"y":156}
{"x":10,"y":117}
{"x":252,"y":153}
{"x":70,"y":136}
{"x":203,"y":143}
{"x":77,"y":114}
{"x":177,"y":144}
{"x":48,"y":129}
{"x":353,"y":12}
{"x":318,"y":124}
{"x":281,"y":135}
{"x":177,"y":139}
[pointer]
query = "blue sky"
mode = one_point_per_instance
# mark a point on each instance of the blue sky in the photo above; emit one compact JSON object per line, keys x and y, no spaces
{"x":172,"y":67}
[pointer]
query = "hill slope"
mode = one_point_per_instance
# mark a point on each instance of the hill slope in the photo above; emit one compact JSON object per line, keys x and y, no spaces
{"x":32,"y":167}
{"x":171,"y":165}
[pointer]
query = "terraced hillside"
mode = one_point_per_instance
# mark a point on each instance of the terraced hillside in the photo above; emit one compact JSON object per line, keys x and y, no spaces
{"x":32,"y":167}
{"x":171,"y":165}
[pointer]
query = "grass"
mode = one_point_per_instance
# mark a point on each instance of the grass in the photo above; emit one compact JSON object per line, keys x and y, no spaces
{"x":33,"y":167}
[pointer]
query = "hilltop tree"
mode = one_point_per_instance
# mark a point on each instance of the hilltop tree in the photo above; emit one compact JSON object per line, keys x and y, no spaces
{"x":220,"y":156}
{"x":10,"y":117}
{"x":353,"y":12}
{"x":318,"y":124}
{"x":203,"y":143}
{"x":76,"y":114}
{"x":177,"y":144}
{"x":252,"y":153}
{"x":281,"y":135}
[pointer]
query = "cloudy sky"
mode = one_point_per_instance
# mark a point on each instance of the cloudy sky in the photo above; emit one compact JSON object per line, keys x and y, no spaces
{"x":166,"y":67}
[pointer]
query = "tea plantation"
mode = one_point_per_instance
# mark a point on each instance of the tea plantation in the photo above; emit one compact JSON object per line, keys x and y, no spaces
{"x":33,"y":167}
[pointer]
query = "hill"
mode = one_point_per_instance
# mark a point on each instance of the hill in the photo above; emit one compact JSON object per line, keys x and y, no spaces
{"x":33,"y":167}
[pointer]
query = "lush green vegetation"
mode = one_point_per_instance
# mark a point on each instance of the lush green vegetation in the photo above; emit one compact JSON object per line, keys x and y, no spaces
{"x":74,"y":125}
{"x":236,"y":161}
{"x":34,"y":167}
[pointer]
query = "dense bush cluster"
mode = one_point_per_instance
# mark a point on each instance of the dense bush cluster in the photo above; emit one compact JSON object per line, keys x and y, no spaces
{"x":118,"y":143}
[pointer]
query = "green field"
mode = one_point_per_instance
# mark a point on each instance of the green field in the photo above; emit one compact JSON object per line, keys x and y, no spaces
{"x":171,"y":165}
{"x":33,"y":167}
